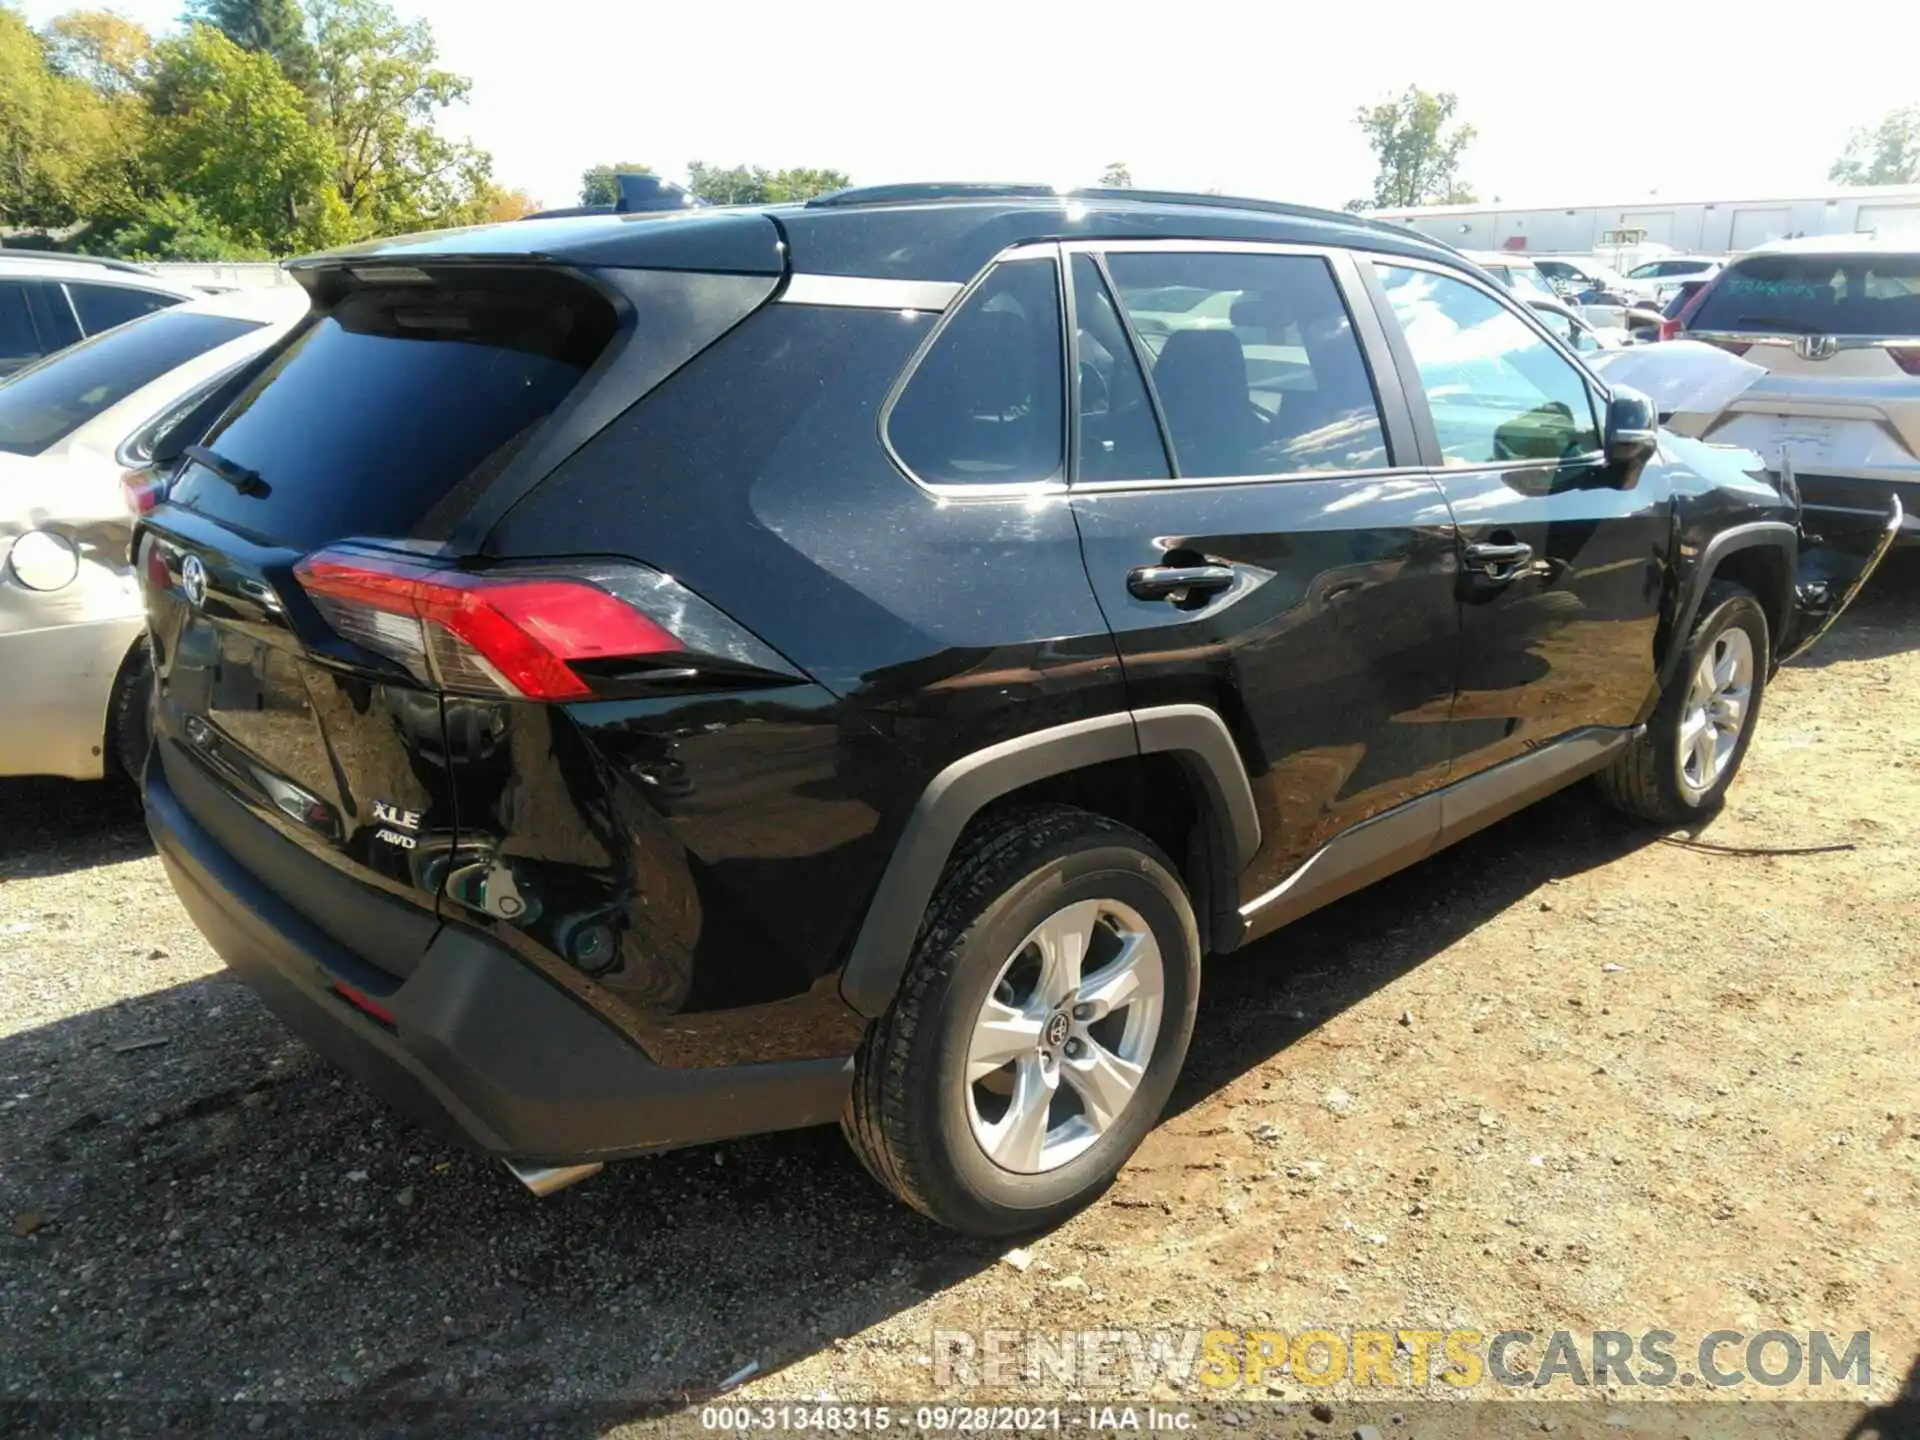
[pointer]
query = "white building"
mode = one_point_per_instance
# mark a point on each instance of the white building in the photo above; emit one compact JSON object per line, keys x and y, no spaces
{"x":1710,"y":227}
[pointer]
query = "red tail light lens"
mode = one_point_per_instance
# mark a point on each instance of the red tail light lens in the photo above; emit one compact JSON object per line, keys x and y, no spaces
{"x":1907,"y":357}
{"x":141,"y":491}
{"x":362,"y":1001}
{"x":1671,"y":329}
{"x":479,"y":634}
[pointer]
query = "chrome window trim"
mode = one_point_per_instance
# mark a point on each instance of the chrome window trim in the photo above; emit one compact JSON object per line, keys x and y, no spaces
{"x":1284,"y":477}
{"x":1840,"y":342}
{"x":868,"y":292}
{"x":1054,"y":484}
{"x":1599,"y":395}
{"x":1328,"y":254}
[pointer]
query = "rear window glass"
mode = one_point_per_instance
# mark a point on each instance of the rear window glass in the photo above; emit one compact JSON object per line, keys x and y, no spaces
{"x":45,"y":404}
{"x":985,"y":407}
{"x":390,"y":412}
{"x":1816,"y":295}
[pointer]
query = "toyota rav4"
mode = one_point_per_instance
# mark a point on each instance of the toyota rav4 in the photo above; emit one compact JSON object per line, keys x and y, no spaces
{"x":629,"y":681}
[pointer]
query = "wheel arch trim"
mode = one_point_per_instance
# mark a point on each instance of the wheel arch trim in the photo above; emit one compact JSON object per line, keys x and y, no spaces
{"x":1193,"y":733}
{"x":1777,"y":534}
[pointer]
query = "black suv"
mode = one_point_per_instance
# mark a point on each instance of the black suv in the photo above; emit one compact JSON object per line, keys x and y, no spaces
{"x":627,"y":681}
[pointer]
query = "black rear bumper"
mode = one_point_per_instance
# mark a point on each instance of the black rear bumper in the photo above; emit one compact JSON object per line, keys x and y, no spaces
{"x":520,"y":1068}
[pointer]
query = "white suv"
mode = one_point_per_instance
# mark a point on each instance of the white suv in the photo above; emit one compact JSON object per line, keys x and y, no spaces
{"x":1834,"y":320}
{"x":48,"y":302}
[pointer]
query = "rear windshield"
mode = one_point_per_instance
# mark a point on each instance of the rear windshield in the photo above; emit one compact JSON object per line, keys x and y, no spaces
{"x":42,"y":406}
{"x":1816,"y":295}
{"x":388,"y":413}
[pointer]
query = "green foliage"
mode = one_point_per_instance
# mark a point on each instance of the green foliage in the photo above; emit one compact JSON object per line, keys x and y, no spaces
{"x":174,"y":227}
{"x":67,"y":152}
{"x":756,"y":185}
{"x":271,"y":27}
{"x":1886,"y":154}
{"x":1117,"y":176}
{"x":1419,"y":163}
{"x":230,"y":133}
{"x":379,"y":92}
{"x":598,"y":185}
{"x":108,"y":53}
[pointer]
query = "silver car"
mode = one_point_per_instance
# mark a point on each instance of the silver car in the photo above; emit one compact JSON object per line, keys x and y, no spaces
{"x":72,"y":630}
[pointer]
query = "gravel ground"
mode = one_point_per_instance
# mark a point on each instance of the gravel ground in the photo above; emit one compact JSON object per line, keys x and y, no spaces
{"x":1568,"y":1075}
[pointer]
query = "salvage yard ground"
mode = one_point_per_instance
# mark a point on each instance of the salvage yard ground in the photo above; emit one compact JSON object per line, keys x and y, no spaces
{"x":1568,"y":1075}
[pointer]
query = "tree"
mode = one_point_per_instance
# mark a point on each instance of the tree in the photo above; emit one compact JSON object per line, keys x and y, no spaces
{"x":108,"y":53}
{"x":598,"y":185}
{"x":379,"y":92}
{"x":756,"y":185}
{"x":1887,"y":154}
{"x":173,"y":227}
{"x":231,"y":134}
{"x":66,"y":152}
{"x":1117,"y":176}
{"x":1418,"y":162}
{"x":270,"y":27}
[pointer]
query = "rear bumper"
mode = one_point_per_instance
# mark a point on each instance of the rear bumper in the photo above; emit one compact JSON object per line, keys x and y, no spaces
{"x":481,"y":1045}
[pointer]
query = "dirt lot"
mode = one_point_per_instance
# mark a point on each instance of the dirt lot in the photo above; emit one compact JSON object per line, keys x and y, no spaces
{"x":1567,"y":1076}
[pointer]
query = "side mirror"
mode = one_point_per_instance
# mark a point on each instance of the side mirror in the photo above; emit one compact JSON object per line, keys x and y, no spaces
{"x":1633,"y":432}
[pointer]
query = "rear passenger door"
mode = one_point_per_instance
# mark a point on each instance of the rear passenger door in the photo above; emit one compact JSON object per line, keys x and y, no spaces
{"x":1258,"y":527}
{"x":1563,"y":556}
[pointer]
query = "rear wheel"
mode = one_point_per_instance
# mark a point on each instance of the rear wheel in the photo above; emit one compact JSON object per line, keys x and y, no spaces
{"x":1040,"y":1027}
{"x":130,"y":714}
{"x":1679,"y":770}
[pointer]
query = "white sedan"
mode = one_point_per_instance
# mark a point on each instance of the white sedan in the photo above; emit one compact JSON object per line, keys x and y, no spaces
{"x":72,"y":628}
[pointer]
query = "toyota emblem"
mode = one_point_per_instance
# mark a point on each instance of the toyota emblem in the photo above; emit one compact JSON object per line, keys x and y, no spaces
{"x":193,"y":580}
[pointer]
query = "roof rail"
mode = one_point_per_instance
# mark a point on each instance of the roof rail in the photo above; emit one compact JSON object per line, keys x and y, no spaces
{"x":922,"y":192}
{"x":8,"y":252}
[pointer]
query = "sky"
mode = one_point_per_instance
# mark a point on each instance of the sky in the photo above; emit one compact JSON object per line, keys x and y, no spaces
{"x":1581,"y":104}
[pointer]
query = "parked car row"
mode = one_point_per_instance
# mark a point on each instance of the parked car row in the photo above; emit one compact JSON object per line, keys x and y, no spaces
{"x":624,"y":681}
{"x":72,"y":625}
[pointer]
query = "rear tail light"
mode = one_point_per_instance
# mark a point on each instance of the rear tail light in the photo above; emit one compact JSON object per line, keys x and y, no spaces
{"x":492,"y":635}
{"x":141,"y":490}
{"x":1672,"y":329}
{"x":1907,"y":357}
{"x":363,"y":1002}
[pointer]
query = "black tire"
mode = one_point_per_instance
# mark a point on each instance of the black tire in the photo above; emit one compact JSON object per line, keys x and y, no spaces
{"x":908,"y":1117}
{"x":1645,"y":780}
{"x":130,"y":714}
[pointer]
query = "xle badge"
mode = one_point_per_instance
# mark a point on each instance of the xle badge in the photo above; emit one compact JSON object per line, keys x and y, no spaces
{"x":393,"y":816}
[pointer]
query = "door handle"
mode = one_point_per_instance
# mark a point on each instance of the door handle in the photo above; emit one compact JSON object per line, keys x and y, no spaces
{"x":1177,"y":582}
{"x":1499,"y":562}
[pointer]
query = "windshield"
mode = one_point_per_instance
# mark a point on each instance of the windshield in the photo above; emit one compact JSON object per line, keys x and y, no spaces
{"x":1816,"y":295}
{"x":43,"y":405}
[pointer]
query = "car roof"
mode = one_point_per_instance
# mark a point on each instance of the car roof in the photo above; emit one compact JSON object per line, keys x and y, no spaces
{"x":1860,"y":243}
{"x":48,"y":265}
{"x":268,"y":304}
{"x":917,"y":232}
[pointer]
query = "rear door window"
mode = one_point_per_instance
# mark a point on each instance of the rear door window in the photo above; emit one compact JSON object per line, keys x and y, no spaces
{"x":984,"y":406}
{"x":1816,"y":295}
{"x":1262,"y":373}
{"x":18,"y":341}
{"x":101,"y":307}
{"x":1119,"y":438}
{"x":395,"y":407}
{"x":45,"y":404}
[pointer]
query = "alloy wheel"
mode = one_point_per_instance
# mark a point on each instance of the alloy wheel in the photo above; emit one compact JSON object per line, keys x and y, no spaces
{"x":1719,"y":700}
{"x":1063,"y":1041}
